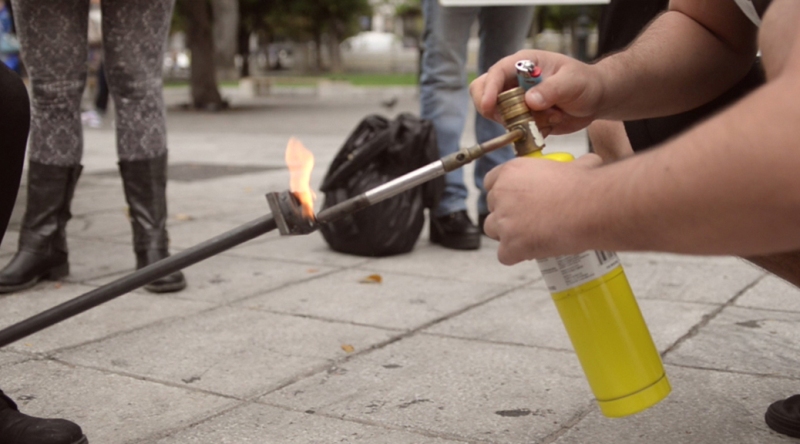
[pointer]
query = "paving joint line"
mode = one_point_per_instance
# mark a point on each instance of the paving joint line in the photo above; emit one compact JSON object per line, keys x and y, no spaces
{"x":707,"y":318}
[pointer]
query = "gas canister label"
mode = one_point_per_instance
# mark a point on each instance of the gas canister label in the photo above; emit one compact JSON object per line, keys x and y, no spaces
{"x":564,"y":272}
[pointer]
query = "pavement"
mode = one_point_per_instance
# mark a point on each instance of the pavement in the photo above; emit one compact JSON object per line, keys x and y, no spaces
{"x":280,"y":340}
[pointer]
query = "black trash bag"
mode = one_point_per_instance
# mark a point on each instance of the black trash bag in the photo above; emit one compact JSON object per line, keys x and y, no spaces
{"x":376,"y":152}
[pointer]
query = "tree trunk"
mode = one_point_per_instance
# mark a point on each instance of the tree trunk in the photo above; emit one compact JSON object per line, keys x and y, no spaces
{"x":244,"y":51}
{"x":203,"y":79}
{"x":318,"y":43}
{"x":337,"y":29}
{"x":225,"y":32}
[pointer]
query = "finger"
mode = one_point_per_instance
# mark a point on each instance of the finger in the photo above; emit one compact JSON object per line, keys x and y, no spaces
{"x":491,"y":177}
{"x":490,"y":201}
{"x":590,"y":160}
{"x":506,"y":254}
{"x":490,"y":227}
{"x":501,"y":76}
{"x":536,"y":100}
{"x":476,"y":91}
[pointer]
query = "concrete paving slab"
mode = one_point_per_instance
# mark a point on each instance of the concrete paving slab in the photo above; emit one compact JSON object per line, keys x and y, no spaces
{"x":311,"y":249}
{"x":94,"y":194}
{"x":528,"y":316}
{"x":258,"y":424}
{"x":110,"y":408}
{"x":470,"y":266}
{"x":232,"y":351}
{"x":99,"y":149}
{"x":223,"y":279}
{"x":771,"y":293}
{"x":10,"y":357}
{"x":765,"y":342}
{"x":92,"y":259}
{"x":140,"y":309}
{"x":704,"y":407}
{"x":449,"y":387}
{"x":191,"y":201}
{"x":398,"y":301}
{"x":713,"y":280}
{"x":248,"y":148}
{"x":101,"y":225}
{"x":192,"y":232}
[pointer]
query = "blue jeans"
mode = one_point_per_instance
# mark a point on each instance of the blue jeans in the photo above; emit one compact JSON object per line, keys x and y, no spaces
{"x":444,"y":95}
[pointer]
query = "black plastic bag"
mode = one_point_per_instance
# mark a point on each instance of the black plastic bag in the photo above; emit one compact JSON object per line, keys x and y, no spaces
{"x":376,"y":152}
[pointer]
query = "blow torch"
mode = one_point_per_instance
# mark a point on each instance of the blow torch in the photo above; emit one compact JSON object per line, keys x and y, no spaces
{"x":593,"y":297}
{"x":590,"y":289}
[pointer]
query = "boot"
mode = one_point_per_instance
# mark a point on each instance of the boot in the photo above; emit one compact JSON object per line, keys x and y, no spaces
{"x":42,"y":252}
{"x":18,"y":428}
{"x":145,"y":183}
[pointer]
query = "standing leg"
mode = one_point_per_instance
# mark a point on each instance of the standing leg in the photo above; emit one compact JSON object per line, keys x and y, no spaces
{"x":134,"y":36}
{"x":445,"y":102}
{"x":53,"y":40}
{"x":15,"y":115}
{"x":14,"y":120}
{"x":503,"y":32}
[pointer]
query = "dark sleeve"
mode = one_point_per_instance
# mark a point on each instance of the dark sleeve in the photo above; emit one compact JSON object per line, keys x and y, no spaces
{"x":620,"y":23}
{"x":14,"y":123}
{"x":623,"y":20}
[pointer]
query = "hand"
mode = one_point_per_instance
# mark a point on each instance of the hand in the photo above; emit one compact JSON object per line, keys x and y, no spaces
{"x":537,"y":205}
{"x":569,"y":94}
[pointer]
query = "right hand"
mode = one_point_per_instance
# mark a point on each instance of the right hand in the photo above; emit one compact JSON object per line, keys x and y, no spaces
{"x":569,"y":96}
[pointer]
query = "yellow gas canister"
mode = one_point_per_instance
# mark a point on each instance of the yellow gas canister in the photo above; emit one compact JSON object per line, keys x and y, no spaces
{"x":606,"y":327}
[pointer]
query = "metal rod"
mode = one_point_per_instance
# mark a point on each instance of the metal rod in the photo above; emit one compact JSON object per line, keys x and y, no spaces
{"x":242,"y":234}
{"x":416,"y":177}
{"x":137,"y":279}
{"x":405,"y":182}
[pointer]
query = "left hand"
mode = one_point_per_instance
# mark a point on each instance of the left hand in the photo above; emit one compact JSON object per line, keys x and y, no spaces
{"x":538,"y":207}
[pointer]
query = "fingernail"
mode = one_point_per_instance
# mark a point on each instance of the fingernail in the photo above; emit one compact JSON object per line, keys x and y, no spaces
{"x":535,"y":98}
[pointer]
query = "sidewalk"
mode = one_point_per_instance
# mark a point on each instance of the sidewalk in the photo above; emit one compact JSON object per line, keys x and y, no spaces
{"x":279,"y":341}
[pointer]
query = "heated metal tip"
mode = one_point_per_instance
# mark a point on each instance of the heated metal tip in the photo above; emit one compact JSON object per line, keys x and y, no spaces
{"x":288,"y":214}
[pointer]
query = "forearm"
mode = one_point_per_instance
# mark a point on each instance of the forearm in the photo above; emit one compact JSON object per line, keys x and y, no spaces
{"x":728,"y":186}
{"x":678,"y":63}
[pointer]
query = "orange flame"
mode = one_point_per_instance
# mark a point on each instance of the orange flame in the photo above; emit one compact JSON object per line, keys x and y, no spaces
{"x":300,"y":162}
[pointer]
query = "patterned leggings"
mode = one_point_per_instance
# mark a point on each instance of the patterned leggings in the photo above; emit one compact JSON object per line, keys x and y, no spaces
{"x":53,"y":37}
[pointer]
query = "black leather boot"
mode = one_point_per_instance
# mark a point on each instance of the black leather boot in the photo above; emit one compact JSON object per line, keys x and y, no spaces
{"x":42,"y":252}
{"x":145,"y":184}
{"x":18,"y":428}
{"x":456,"y":231}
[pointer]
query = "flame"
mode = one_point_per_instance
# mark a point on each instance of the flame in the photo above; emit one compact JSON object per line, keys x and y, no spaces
{"x":300,"y":162}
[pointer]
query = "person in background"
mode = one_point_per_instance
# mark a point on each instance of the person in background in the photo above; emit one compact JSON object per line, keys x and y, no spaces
{"x":15,"y":426}
{"x":444,"y":100}
{"x":53,"y":37}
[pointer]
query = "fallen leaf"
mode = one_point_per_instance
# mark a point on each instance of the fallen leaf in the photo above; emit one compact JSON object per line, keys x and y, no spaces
{"x":183,"y":217}
{"x":348,"y":348}
{"x":372,"y":279}
{"x":57,"y":285}
{"x":313,"y":270}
